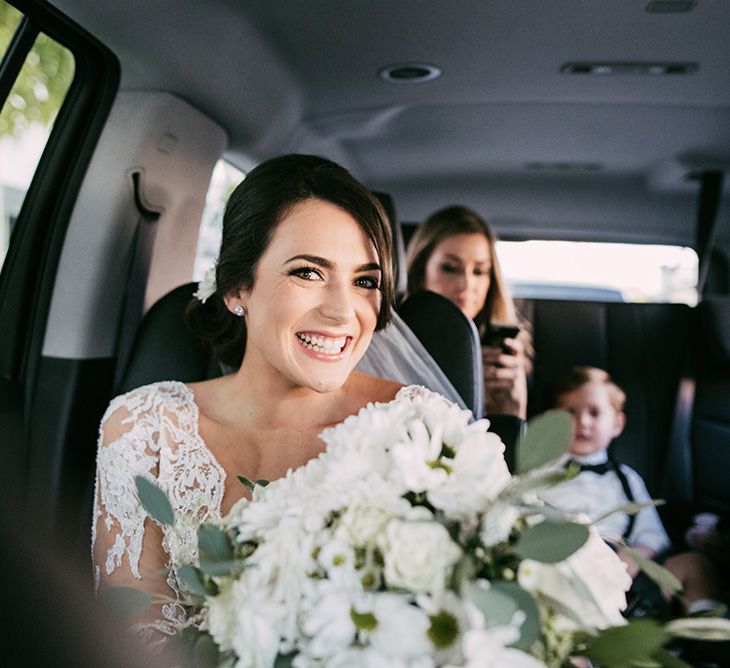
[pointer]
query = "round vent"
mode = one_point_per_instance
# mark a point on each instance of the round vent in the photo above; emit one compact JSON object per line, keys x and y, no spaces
{"x":409,"y":73}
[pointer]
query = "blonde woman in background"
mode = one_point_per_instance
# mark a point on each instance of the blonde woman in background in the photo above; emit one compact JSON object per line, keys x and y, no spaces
{"x":453,"y":254}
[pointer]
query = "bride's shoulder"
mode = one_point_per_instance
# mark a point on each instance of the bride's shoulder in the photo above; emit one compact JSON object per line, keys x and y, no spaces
{"x":145,"y":402}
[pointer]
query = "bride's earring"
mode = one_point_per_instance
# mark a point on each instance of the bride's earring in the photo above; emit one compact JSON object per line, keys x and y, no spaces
{"x":239,"y":311}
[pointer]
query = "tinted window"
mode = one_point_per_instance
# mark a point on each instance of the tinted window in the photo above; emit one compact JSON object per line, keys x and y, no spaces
{"x":28,"y":115}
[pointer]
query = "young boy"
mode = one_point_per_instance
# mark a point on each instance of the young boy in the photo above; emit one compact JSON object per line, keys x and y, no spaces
{"x":596,"y":404}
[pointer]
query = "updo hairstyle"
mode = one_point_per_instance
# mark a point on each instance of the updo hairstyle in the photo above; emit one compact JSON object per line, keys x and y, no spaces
{"x":254,"y":209}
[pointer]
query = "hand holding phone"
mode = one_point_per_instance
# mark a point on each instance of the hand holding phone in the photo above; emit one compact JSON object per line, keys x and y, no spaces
{"x":497,"y":332}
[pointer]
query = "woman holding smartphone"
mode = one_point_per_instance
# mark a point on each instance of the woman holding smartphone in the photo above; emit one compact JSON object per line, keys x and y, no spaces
{"x":453,"y":254}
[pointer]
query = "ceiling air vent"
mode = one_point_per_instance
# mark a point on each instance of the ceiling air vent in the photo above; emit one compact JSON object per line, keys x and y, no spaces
{"x":670,"y":6}
{"x":645,"y":68}
{"x":564,"y":166}
{"x":409,"y":73}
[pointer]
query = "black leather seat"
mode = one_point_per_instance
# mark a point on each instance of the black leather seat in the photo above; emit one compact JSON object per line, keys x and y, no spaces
{"x":452,"y":340}
{"x":165,"y":349}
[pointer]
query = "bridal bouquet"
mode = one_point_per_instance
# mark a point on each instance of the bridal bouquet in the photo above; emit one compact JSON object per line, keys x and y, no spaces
{"x":407,"y":543}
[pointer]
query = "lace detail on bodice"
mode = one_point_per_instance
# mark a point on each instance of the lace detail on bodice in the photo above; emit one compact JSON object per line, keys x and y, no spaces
{"x":153,"y":431}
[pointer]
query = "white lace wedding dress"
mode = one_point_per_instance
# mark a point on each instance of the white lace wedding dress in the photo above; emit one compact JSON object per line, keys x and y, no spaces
{"x":153,"y":431}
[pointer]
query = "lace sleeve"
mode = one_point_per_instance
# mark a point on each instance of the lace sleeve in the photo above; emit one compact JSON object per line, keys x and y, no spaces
{"x":128,"y":548}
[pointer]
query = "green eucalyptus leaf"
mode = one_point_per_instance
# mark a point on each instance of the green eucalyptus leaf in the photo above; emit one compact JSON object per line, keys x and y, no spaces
{"x":550,"y":542}
{"x":496,"y":605}
{"x":537,"y":480}
{"x":630,"y":509}
{"x":248,"y":484}
{"x":222,"y":568}
{"x":205,"y":652}
{"x":125,"y":601}
{"x":154,"y":501}
{"x":214,"y":544}
{"x":196,"y":582}
{"x":262,"y":483}
{"x":700,"y":628}
{"x":667,"y":660}
{"x":630,"y":645}
{"x":499,"y":603}
{"x":656,"y":572}
{"x":547,"y":437}
{"x":530,"y":629}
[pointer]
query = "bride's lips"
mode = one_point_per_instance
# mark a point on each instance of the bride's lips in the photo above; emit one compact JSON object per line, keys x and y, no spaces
{"x":324,"y":346}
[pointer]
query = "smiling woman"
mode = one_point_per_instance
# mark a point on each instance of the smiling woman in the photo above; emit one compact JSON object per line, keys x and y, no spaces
{"x":302,"y":281}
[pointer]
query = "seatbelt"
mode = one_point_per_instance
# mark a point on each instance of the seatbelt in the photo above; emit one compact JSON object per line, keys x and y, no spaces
{"x":628,"y":493}
{"x":139,"y":269}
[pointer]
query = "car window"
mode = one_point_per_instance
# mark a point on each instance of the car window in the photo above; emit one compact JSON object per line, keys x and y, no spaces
{"x":225,"y":178}
{"x":610,"y":272}
{"x":28,"y":115}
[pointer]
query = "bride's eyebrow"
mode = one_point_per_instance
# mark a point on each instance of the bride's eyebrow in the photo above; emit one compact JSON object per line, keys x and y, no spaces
{"x":326,"y":264}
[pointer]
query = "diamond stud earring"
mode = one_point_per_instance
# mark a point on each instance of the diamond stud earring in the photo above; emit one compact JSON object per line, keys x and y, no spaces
{"x":239,"y":311}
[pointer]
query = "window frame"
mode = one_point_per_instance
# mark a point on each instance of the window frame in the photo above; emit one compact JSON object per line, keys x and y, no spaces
{"x":31,"y":263}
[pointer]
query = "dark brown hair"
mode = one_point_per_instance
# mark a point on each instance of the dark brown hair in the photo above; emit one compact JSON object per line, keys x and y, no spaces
{"x":578,"y":376}
{"x":254,"y":210}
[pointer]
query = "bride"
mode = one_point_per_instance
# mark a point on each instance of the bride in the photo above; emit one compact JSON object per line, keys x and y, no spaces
{"x":303,"y":280}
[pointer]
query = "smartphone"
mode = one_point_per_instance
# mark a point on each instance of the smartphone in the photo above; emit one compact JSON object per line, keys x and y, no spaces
{"x":497,"y":332}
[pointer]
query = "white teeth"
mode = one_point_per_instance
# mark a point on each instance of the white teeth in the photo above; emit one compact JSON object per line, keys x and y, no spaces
{"x":321,"y":344}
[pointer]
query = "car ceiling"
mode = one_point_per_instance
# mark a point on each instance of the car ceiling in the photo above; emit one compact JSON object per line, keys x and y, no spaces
{"x":540,"y":152}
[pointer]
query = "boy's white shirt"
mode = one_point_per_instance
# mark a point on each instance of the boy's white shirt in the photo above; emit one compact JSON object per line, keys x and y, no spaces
{"x":595,"y":494}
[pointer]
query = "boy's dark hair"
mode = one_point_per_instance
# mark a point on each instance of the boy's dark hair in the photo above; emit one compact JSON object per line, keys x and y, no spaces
{"x":577,"y":376}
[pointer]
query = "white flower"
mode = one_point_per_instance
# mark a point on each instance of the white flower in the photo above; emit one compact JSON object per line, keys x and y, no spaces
{"x":206,"y":287}
{"x":497,"y":523}
{"x":326,"y":620}
{"x":489,"y":648}
{"x":417,"y":458}
{"x":243,"y":618}
{"x":418,"y":555}
{"x":401,"y":627}
{"x":589,"y":586}
{"x":362,"y":524}
{"x":478,"y":474}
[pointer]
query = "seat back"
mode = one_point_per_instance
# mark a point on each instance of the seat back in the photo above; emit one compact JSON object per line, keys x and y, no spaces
{"x":642,"y":346}
{"x":710,"y":428}
{"x":165,"y":349}
{"x":452,"y":340}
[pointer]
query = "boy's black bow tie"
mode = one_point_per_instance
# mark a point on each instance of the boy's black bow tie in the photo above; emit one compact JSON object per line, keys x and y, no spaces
{"x":600,"y":469}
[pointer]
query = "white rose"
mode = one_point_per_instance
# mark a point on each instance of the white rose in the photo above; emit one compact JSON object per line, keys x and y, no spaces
{"x":418,"y":555}
{"x":362,"y":524}
{"x":590,"y":585}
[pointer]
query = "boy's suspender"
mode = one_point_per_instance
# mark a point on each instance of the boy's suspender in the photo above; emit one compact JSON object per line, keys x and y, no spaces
{"x":627,"y":491}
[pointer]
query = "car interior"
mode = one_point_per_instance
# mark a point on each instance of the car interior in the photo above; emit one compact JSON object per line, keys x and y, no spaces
{"x":585,"y":121}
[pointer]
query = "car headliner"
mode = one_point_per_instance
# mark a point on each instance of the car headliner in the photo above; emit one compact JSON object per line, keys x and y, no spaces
{"x":541,"y":153}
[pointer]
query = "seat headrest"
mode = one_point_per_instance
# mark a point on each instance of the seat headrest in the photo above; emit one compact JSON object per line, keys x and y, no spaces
{"x":399,"y":249}
{"x":164,"y":347}
{"x":452,"y":340}
{"x":714,"y":318}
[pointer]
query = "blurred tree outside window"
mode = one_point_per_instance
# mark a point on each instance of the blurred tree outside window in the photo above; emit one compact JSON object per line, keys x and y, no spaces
{"x":27,"y":116}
